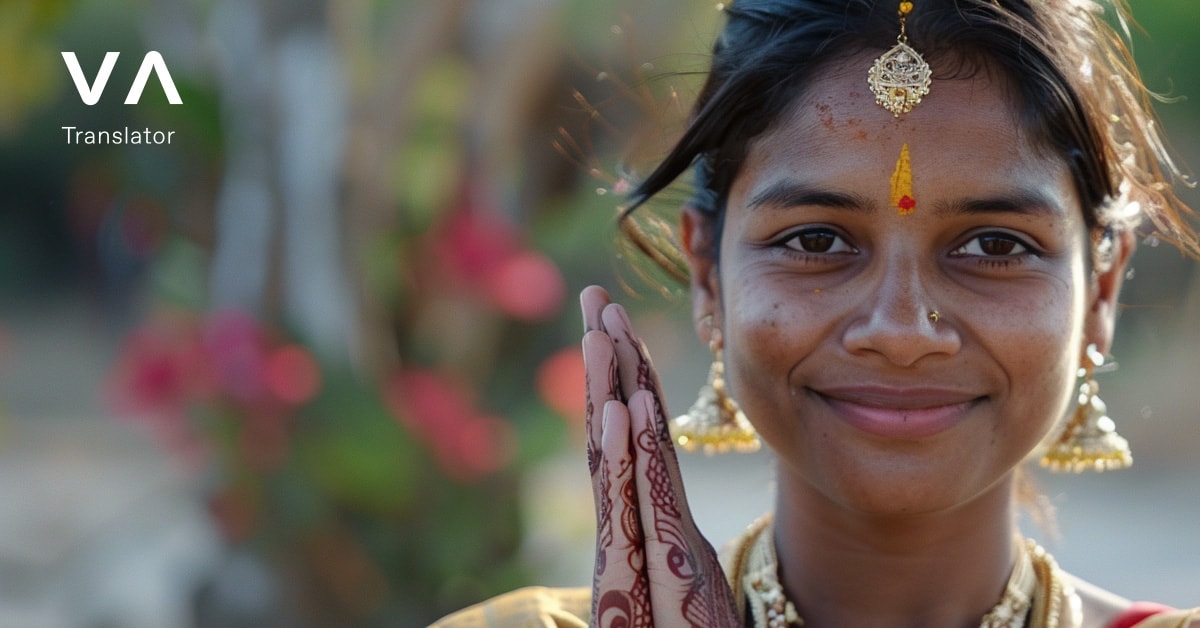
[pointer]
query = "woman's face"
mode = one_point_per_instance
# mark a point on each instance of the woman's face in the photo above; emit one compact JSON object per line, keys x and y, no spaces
{"x":824,"y":292}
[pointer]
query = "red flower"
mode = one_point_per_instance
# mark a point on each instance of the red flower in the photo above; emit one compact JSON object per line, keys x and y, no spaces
{"x":466,"y":444}
{"x":292,"y":374}
{"x":480,"y":251}
{"x":560,"y":383}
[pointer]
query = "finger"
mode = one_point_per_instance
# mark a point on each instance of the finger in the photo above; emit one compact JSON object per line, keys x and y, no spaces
{"x":666,"y":522}
{"x":635,"y":367}
{"x":636,"y":372}
{"x":686,"y":579}
{"x":620,"y":595}
{"x":600,"y":368}
{"x":592,"y":301}
{"x":632,"y":370}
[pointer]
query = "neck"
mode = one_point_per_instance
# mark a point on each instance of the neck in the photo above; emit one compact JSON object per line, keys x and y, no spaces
{"x":846,"y":568}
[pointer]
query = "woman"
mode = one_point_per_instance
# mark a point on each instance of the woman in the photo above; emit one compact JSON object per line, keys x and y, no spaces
{"x":910,"y":228}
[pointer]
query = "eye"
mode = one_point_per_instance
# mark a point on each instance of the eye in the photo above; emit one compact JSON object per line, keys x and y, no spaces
{"x":818,"y":240}
{"x":992,"y":245}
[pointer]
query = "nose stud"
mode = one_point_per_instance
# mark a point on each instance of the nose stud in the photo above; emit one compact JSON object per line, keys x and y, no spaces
{"x":934,"y":316}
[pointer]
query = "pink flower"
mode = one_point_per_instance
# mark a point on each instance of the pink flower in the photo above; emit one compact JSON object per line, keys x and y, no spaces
{"x":475,"y":448}
{"x":527,"y":286}
{"x":426,"y":402}
{"x":160,"y":369}
{"x":472,"y":243}
{"x":237,"y":347}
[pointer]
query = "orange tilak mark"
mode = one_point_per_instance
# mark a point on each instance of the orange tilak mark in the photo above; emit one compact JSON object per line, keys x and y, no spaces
{"x":902,"y":194}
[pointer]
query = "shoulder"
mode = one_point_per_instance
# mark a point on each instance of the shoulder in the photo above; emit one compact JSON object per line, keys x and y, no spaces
{"x":531,"y":606}
{"x":1102,"y":609}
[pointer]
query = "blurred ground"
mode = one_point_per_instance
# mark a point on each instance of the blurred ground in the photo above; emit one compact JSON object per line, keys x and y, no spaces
{"x":96,"y":526}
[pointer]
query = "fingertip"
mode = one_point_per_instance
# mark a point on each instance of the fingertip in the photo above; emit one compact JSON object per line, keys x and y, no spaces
{"x":616,"y":318}
{"x":592,"y":300}
{"x":644,"y":413}
{"x":643,"y":400}
{"x":614,"y":426}
{"x":594,"y":338}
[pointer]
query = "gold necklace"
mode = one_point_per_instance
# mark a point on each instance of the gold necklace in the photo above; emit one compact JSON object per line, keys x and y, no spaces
{"x":1036,"y":584}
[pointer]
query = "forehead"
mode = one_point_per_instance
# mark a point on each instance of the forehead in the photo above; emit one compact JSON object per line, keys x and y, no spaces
{"x":969,"y":120}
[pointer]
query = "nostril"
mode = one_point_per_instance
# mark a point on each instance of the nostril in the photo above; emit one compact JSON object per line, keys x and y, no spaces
{"x":902,"y":335}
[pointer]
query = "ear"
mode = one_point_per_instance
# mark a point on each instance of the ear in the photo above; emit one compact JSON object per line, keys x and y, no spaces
{"x":1105,"y":286}
{"x":698,"y":232}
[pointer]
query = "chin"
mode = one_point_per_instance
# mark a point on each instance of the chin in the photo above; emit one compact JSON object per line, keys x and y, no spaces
{"x":905,"y":484}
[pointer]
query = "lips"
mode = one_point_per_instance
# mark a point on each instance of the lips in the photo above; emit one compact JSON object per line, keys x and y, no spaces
{"x":898,"y":413}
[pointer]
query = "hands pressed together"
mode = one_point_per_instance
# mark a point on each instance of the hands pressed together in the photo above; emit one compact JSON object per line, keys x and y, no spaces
{"x":653,"y":567}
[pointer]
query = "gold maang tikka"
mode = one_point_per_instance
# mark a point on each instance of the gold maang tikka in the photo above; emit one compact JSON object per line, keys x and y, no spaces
{"x":900,"y":78}
{"x":1089,"y":441}
{"x":715,"y":423}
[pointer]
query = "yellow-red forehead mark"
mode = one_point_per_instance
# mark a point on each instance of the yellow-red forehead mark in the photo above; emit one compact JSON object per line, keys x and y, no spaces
{"x":902,"y":194}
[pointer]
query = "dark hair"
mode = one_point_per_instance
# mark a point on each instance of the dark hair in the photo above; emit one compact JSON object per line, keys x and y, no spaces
{"x":1077,"y":92}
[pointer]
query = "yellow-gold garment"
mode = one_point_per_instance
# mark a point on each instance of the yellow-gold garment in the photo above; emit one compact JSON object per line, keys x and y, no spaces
{"x":542,"y":607}
{"x":532,"y":607}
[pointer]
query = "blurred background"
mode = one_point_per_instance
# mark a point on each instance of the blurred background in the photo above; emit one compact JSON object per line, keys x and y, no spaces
{"x":315,"y":362}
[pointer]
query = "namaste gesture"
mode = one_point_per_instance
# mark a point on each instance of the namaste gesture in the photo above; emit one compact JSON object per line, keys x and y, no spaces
{"x":653,"y":567}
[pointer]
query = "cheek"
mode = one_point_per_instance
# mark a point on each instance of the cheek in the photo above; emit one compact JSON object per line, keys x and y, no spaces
{"x":772,"y":323}
{"x":1035,"y":337}
{"x":771,"y":318}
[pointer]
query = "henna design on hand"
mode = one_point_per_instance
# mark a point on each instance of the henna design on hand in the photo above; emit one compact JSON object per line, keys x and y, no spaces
{"x":604,"y":530}
{"x":688,"y":556}
{"x":616,"y":608}
{"x":649,"y":555}
{"x":592,"y":448}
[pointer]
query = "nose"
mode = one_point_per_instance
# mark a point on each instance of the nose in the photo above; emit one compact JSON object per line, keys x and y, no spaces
{"x":895,"y":318}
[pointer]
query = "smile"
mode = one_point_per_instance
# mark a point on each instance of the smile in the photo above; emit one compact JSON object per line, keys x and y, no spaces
{"x":906,"y":414}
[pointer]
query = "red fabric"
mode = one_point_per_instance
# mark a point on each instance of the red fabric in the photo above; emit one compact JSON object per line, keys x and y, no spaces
{"x":1133,"y":615}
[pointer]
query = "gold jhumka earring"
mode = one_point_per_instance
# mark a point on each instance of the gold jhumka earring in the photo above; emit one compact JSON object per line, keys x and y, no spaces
{"x":1089,"y":441}
{"x":715,"y":423}
{"x":900,"y":78}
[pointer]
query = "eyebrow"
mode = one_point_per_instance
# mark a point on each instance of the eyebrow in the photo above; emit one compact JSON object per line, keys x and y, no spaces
{"x":785,"y":193}
{"x":1020,"y":201}
{"x":781,"y":194}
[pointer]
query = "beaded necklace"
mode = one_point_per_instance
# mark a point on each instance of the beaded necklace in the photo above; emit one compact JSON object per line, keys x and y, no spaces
{"x":1036,"y":596}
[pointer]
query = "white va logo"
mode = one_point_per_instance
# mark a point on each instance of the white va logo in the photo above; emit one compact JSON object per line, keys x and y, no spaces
{"x":90,"y":94}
